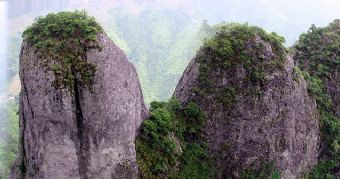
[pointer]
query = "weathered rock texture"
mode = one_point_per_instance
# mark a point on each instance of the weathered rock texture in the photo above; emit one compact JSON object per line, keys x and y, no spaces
{"x":280,"y":124}
{"x":87,"y":133}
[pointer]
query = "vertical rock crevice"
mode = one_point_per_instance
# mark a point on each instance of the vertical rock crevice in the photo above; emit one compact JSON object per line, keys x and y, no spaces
{"x":81,"y":148}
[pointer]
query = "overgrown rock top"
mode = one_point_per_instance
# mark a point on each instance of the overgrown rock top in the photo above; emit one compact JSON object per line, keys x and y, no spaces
{"x":65,"y":38}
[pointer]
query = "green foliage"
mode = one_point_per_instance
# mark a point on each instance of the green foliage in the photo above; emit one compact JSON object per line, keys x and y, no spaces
{"x":9,"y":147}
{"x":316,"y":88}
{"x":195,"y":164}
{"x":234,"y":46}
{"x":157,"y":128}
{"x":155,"y":104}
{"x":320,"y":46}
{"x":228,"y":96}
{"x":194,"y":122}
{"x":329,"y":123}
{"x":155,"y":148}
{"x":169,"y":145}
{"x":297,"y":74}
{"x":266,"y":170}
{"x":321,"y":171}
{"x":65,"y":37}
{"x":231,"y":40}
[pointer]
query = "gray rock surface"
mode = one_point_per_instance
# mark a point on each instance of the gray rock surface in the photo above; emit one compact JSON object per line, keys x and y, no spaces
{"x":281,"y":125}
{"x":85,"y":134}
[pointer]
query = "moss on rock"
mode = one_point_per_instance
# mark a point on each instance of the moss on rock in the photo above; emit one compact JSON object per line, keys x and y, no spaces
{"x":62,"y":40}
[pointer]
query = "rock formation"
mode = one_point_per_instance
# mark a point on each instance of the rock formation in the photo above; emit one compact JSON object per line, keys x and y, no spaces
{"x":78,"y":131}
{"x":256,"y":104}
{"x":81,"y":106}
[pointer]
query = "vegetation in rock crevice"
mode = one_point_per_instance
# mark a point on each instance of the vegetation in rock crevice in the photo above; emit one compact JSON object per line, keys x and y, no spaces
{"x":170,"y":144}
{"x":62,"y":40}
{"x":318,"y":54}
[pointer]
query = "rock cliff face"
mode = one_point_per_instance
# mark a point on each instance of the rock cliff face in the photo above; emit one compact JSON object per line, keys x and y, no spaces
{"x":256,"y":104}
{"x":84,"y":133}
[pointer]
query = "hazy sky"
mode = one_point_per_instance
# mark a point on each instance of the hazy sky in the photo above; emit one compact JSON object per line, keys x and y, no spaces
{"x":287,"y":17}
{"x":2,"y":25}
{"x":3,"y":28}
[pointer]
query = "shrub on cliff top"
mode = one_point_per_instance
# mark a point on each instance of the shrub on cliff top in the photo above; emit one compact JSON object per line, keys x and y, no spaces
{"x":65,"y":37}
{"x":236,"y":46}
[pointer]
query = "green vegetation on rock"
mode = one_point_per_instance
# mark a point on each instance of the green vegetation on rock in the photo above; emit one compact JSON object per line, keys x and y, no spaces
{"x":263,"y":170}
{"x":170,"y":144}
{"x":297,"y":73}
{"x":233,"y":46}
{"x":317,"y":54}
{"x":321,"y":171}
{"x":65,"y":38}
{"x":320,"y":46}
